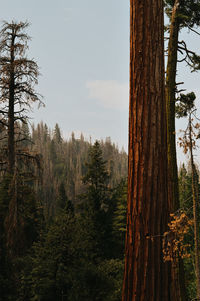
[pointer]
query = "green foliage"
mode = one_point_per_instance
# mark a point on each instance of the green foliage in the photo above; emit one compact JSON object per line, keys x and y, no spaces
{"x":4,"y":265}
{"x":53,"y":260}
{"x":64,"y":162}
{"x":60,"y":265}
{"x":187,"y":16}
{"x":57,"y":134}
{"x":185,"y":191}
{"x":95,"y":202}
{"x":185,"y":188}
{"x":51,"y":248}
{"x":112,"y":272}
{"x":185,"y":103}
{"x":16,"y":233}
{"x":72,"y":254}
{"x":189,"y":12}
{"x":22,"y":220}
{"x":74,"y":257}
{"x":96,"y":178}
{"x":195,"y":62}
{"x":190,"y":277}
{"x":63,"y":203}
{"x":119,"y":221}
{"x":119,"y":217}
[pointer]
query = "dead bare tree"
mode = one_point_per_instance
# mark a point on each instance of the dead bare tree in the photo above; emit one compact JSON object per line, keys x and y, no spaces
{"x":18,"y":76}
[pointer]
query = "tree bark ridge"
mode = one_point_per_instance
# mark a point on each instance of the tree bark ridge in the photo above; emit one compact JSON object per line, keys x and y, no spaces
{"x":146,"y":276}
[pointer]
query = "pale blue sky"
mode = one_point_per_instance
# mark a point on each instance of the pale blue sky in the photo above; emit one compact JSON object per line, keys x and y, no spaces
{"x":82,"y":48}
{"x":191,"y":83}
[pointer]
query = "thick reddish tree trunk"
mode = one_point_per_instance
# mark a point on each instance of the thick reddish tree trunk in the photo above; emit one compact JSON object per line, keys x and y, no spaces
{"x":146,"y":276}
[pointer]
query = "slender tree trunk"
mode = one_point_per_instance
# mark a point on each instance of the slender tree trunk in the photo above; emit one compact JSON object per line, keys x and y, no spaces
{"x":11,"y":220}
{"x":173,"y":192}
{"x":146,"y":276}
{"x":11,"y":117}
{"x":11,"y":140}
{"x":195,"y":210}
{"x":173,"y":188}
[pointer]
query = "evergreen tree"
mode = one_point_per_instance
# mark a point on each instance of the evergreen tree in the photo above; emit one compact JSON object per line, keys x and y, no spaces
{"x":119,"y":218}
{"x":186,"y":203}
{"x":96,"y":177}
{"x":57,"y":134}
{"x":55,"y":261}
{"x":95,"y":203}
{"x":185,"y":184}
{"x":63,"y":203}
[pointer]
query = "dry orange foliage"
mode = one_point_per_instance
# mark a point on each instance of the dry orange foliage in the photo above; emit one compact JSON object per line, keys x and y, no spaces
{"x":174,"y":246}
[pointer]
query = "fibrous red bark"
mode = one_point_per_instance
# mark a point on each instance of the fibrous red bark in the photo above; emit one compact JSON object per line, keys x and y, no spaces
{"x":147,"y":276}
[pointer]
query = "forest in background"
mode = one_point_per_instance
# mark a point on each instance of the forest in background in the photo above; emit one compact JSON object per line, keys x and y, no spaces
{"x":64,"y":162}
{"x":72,"y":220}
{"x":63,"y":203}
{"x":71,"y":216}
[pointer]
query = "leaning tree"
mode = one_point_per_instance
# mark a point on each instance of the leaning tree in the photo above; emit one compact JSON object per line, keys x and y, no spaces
{"x":147,"y":276}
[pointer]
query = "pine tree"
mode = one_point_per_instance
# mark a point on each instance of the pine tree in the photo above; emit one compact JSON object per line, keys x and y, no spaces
{"x":55,"y":261}
{"x":119,"y":199}
{"x":57,"y":134}
{"x":96,"y":177}
{"x":63,"y":203}
{"x":95,"y":203}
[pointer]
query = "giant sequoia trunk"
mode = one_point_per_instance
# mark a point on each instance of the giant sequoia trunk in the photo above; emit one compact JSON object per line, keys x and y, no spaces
{"x":146,"y":276}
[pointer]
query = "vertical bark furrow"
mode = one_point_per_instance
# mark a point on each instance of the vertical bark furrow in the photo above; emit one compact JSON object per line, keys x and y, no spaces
{"x":146,"y":275}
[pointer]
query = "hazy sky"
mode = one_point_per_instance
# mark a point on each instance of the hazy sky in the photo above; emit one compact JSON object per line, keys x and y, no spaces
{"x":82,"y":48}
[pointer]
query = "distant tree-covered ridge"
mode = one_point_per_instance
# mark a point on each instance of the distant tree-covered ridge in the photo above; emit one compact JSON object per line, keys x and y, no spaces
{"x":64,"y":162}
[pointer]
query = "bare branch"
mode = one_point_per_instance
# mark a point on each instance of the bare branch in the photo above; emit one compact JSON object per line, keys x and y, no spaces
{"x":194,"y":30}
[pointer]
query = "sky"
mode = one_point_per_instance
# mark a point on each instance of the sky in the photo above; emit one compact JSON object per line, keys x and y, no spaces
{"x":82,"y":49}
{"x":191,"y":83}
